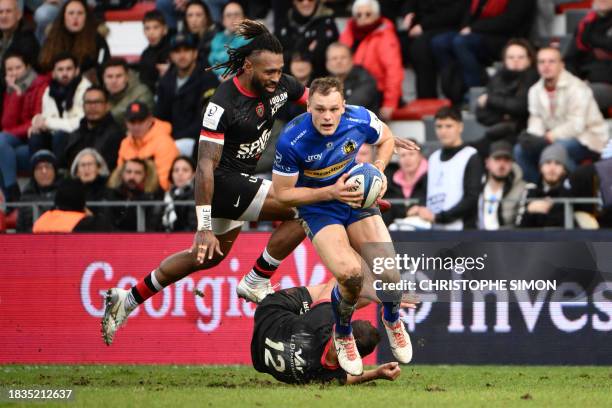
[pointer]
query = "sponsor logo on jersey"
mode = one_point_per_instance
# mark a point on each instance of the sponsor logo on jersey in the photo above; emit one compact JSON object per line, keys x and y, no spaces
{"x":314,"y":157}
{"x":349,"y":147}
{"x":212,"y":115}
{"x":298,"y":137}
{"x":259,"y":109}
{"x":327,"y":171}
{"x":277,"y":102}
{"x":250,"y":150}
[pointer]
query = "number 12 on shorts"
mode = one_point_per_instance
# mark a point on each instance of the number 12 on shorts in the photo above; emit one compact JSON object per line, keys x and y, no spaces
{"x":279,"y":363}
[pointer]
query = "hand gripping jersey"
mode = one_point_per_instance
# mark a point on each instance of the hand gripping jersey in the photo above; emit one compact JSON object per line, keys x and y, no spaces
{"x":291,"y":337}
{"x":242,"y":122}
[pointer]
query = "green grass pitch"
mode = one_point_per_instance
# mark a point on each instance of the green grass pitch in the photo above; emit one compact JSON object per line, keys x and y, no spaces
{"x":237,"y":386}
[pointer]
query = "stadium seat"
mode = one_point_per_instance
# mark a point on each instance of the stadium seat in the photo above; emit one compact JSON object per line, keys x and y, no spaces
{"x":136,"y":13}
{"x":610,"y":112}
{"x":472,"y":130}
{"x":10,"y":220}
{"x":475,"y":93}
{"x":419,"y":108}
{"x":562,"y":42}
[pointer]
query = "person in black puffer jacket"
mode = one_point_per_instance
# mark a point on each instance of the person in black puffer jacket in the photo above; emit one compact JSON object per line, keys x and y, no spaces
{"x":180,"y":217}
{"x":503,"y":107}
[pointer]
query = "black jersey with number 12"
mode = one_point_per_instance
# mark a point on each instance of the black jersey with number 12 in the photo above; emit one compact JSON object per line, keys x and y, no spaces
{"x":242,"y":121}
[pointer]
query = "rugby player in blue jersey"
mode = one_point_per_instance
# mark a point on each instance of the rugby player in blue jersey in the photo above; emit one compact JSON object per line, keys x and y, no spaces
{"x":313,"y":155}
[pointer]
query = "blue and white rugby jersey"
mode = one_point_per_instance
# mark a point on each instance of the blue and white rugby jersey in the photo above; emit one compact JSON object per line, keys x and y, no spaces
{"x":319,"y":160}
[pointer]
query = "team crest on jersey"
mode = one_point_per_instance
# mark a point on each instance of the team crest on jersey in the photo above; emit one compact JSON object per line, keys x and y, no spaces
{"x":259,"y":109}
{"x":349,"y":147}
{"x":330,"y":145}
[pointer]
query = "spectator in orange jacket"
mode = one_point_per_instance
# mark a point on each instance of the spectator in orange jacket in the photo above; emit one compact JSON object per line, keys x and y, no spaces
{"x":376,"y":47}
{"x":148,"y":138}
{"x":70,"y":213}
{"x":22,"y":100}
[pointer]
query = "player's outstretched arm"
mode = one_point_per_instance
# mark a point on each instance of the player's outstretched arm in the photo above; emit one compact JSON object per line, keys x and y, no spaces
{"x":387,"y":371}
{"x":205,"y":243}
{"x":292,"y":196}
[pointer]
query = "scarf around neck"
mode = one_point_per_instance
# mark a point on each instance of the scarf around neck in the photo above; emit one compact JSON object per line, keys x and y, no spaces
{"x":64,"y":94}
{"x":24,"y":82}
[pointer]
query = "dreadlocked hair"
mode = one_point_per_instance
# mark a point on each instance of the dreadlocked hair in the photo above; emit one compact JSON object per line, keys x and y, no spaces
{"x":261,"y":40}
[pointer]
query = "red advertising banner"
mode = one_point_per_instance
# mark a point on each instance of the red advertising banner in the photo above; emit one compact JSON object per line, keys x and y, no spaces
{"x":51,"y":299}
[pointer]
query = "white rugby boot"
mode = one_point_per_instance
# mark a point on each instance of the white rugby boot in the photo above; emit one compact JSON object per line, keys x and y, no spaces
{"x":399,"y":340}
{"x":348,"y":355}
{"x":115,"y":313}
{"x":252,"y":293}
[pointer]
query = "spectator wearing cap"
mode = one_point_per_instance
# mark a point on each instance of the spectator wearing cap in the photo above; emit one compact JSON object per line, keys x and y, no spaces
{"x":376,"y":47}
{"x":502,"y":190}
{"x":590,"y":54}
{"x":359,"y":85}
{"x":232,"y":16}
{"x":123,"y":87}
{"x":182,"y":92}
{"x":70,"y":213}
{"x":134,"y":180}
{"x":307,"y":29}
{"x":62,"y":106}
{"x":409,"y":181}
{"x":562,"y":110}
{"x":97,"y":130}
{"x":148,"y":138}
{"x":536,"y":209}
{"x":40,"y":188}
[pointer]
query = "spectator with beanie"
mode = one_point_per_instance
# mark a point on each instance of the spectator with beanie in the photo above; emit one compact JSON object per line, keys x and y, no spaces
{"x":134,"y":180}
{"x":40,"y":188}
{"x":502,"y":190}
{"x":62,"y":106}
{"x":70,"y":213}
{"x":590,"y":55}
{"x":503,"y":107}
{"x":454,"y":177}
{"x":123,"y":88}
{"x":562,"y":110}
{"x":154,"y":59}
{"x":148,"y":138}
{"x":307,"y":29}
{"x":553,"y":183}
{"x":182,"y":92}
{"x":359,"y":85}
{"x":22,"y":101}
{"x":97,"y":130}
{"x":376,"y":47}
{"x":13,"y":34}
{"x":75,"y":30}
{"x":423,"y":19}
{"x":180,"y":217}
{"x":486,"y":27}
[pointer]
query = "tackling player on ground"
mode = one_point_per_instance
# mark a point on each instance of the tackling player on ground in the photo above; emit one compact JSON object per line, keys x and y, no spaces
{"x":236,"y":127}
{"x":313,"y":155}
{"x":292,"y":337}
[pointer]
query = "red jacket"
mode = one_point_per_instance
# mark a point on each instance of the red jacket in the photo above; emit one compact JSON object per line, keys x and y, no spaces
{"x":379,"y":52}
{"x":18,"y":110}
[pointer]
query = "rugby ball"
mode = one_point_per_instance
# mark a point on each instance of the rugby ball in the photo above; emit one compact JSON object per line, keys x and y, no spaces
{"x":368,"y":180}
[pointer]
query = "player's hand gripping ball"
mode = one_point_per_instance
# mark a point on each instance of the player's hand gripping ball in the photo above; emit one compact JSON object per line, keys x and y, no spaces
{"x":368,"y":180}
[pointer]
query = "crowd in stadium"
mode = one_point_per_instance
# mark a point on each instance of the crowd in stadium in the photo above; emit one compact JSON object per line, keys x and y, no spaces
{"x":86,"y":126}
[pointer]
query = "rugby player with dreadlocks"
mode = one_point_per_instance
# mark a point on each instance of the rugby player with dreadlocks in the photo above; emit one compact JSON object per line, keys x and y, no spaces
{"x":236,"y":128}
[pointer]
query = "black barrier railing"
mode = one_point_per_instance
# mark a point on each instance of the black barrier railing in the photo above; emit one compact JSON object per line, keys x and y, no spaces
{"x":568,"y":207}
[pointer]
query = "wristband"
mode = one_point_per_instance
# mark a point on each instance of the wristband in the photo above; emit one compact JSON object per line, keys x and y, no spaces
{"x":204,"y":219}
